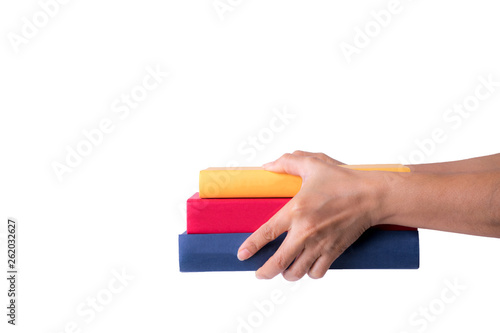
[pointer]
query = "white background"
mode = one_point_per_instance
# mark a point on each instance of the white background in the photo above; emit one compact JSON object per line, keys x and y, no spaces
{"x":121,"y":207}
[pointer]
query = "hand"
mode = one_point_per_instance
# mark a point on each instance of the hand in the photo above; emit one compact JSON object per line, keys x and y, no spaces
{"x":321,"y":156}
{"x":333,"y":208}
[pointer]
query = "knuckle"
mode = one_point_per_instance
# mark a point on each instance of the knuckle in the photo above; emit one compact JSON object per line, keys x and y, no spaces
{"x":268,"y":232}
{"x":335,"y":249}
{"x":310,"y":226}
{"x":280,"y":260}
{"x":298,"y":207}
{"x":251,"y":246}
{"x":323,"y":156}
{"x":310,"y":229}
{"x":311,"y":162}
{"x":307,"y":233}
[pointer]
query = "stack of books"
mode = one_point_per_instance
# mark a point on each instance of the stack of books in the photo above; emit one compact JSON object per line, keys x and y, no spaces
{"x":234,"y":202}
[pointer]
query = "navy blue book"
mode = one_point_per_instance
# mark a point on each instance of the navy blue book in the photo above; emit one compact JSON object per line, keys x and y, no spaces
{"x":375,"y":249}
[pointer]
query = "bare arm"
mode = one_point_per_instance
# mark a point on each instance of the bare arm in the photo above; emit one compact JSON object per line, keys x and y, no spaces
{"x":477,"y":164}
{"x":336,"y":205}
{"x":466,"y":203}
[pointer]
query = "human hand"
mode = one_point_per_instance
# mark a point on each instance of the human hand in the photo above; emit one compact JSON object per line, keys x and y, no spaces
{"x":333,"y":208}
{"x":321,"y":156}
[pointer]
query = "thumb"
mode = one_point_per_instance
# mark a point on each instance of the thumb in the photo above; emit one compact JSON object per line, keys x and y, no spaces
{"x":288,"y":163}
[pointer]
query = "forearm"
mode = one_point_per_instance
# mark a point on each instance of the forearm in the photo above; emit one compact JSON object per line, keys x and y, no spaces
{"x":477,"y":164}
{"x":463,"y":203}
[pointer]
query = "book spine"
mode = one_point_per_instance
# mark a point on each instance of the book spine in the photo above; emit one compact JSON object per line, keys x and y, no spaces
{"x":244,"y":183}
{"x":212,"y":216}
{"x":375,"y":249}
{"x":260,"y":183}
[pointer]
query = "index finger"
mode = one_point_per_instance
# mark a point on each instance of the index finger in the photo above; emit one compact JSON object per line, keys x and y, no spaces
{"x":267,"y":232}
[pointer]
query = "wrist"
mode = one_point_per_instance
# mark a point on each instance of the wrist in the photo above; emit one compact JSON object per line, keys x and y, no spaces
{"x":387,"y":195}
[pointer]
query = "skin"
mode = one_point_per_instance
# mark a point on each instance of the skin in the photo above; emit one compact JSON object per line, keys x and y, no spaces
{"x":476,"y":164}
{"x":336,"y":205}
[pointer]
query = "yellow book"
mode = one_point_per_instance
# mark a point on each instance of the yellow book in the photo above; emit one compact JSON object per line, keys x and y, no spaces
{"x":255,"y":182}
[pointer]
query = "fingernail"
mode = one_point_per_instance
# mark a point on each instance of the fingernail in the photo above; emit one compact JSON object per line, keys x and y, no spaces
{"x":265,"y":165}
{"x":258,"y":276}
{"x":243,"y":254}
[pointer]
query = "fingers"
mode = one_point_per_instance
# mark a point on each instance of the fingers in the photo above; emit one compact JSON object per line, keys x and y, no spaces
{"x":329,"y":255}
{"x":288,"y":163}
{"x":302,"y":153}
{"x":320,"y":267}
{"x":281,"y":259}
{"x":267,"y":232}
{"x":313,"y":261}
{"x":321,"y":156}
{"x":305,"y":249}
{"x":286,"y":253}
{"x":300,"y":266}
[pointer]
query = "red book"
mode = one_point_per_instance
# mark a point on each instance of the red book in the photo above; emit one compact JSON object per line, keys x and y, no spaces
{"x":236,"y":215}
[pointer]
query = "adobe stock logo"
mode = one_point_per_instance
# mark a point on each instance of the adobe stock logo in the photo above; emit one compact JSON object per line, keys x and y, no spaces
{"x":453,"y":118}
{"x":264,"y":309}
{"x":248,"y":149}
{"x":122,"y":106}
{"x":95,"y":305}
{"x":251,"y":146}
{"x":255,"y":143}
{"x":429,"y":313}
{"x":380,"y":20}
{"x":30,"y":28}
{"x":222,"y":7}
